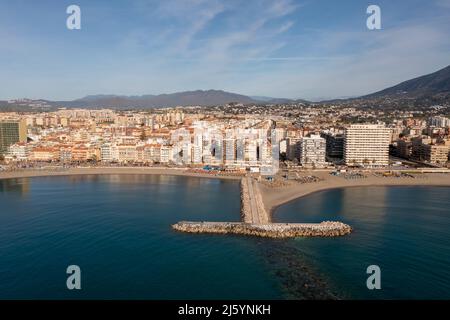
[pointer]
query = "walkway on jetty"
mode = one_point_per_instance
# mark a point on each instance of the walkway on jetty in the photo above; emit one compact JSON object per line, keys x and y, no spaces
{"x":252,"y":206}
{"x":256,"y":221}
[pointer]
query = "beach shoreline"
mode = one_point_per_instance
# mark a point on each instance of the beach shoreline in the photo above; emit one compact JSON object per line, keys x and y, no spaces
{"x":278,"y":196}
{"x":30,"y":173}
{"x":272,"y":197}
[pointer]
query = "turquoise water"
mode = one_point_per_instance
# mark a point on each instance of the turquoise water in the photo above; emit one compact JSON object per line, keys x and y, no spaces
{"x":403,"y":230}
{"x":117,"y":229}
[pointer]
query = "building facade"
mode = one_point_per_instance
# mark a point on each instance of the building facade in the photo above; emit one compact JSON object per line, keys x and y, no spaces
{"x":312,"y":151}
{"x":12,"y":132}
{"x":366,"y":145}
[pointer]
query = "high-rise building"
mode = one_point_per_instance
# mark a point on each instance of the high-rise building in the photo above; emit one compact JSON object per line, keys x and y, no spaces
{"x":12,"y":131}
{"x":230,"y":150}
{"x":312,"y":151}
{"x":251,"y":152}
{"x":417,"y":150}
{"x":366,"y":144}
{"x":404,"y":148}
{"x":334,"y":144}
{"x":292,"y":148}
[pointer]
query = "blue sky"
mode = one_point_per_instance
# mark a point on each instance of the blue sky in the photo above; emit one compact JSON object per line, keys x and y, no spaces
{"x":308,"y":49}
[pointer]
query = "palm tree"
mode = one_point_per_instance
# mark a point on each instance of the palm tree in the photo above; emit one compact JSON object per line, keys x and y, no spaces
{"x":366,"y":161}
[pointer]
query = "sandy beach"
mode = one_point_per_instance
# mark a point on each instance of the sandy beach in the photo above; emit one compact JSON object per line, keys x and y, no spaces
{"x":276,"y":196}
{"x":105,"y":170}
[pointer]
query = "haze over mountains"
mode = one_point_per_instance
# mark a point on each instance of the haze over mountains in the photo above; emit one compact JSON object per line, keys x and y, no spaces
{"x":433,"y":88}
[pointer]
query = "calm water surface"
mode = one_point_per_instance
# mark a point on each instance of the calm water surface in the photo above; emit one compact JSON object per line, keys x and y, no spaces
{"x":403,"y":230}
{"x":117,"y":229}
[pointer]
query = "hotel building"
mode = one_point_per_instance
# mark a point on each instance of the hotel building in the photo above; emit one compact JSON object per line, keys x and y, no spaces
{"x":366,"y":144}
{"x":12,"y":131}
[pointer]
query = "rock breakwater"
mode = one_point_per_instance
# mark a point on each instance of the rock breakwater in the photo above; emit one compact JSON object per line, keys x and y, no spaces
{"x":271,"y":230}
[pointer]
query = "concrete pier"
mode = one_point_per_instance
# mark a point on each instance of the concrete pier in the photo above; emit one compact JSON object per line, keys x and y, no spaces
{"x":257,"y":222}
{"x":252,"y":207}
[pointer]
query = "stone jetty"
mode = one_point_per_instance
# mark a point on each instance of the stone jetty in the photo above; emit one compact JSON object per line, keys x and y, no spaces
{"x":252,"y":207}
{"x":256,"y":221}
{"x":271,"y":230}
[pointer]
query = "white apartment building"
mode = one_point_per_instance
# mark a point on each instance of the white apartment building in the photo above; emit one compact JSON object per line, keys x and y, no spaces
{"x":265,"y":151}
{"x":18,"y":152}
{"x":367,"y":145}
{"x":217,"y":152}
{"x":439,"y":121}
{"x":186,"y":149}
{"x":197,"y":147}
{"x":127,"y":152}
{"x":230,"y":150}
{"x":312,"y":151}
{"x":109,"y":152}
{"x":166,"y":154}
{"x":152,"y":153}
{"x":251,"y":152}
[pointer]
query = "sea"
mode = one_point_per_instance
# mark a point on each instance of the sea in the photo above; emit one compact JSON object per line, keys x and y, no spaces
{"x":117,"y":230}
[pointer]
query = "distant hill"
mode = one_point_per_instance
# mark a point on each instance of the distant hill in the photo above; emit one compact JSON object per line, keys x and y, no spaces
{"x":423,"y":91}
{"x":433,"y":84}
{"x":186,"y":98}
{"x":270,"y":100}
{"x":264,"y":99}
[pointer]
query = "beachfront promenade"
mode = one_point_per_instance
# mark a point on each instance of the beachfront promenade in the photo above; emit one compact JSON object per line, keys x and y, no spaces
{"x":256,"y":221}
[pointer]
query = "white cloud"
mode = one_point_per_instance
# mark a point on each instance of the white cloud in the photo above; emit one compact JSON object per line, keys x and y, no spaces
{"x":285,"y":27}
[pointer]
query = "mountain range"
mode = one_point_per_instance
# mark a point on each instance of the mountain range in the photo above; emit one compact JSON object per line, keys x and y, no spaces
{"x":186,"y":98}
{"x":432,"y":88}
{"x":436,"y":83}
